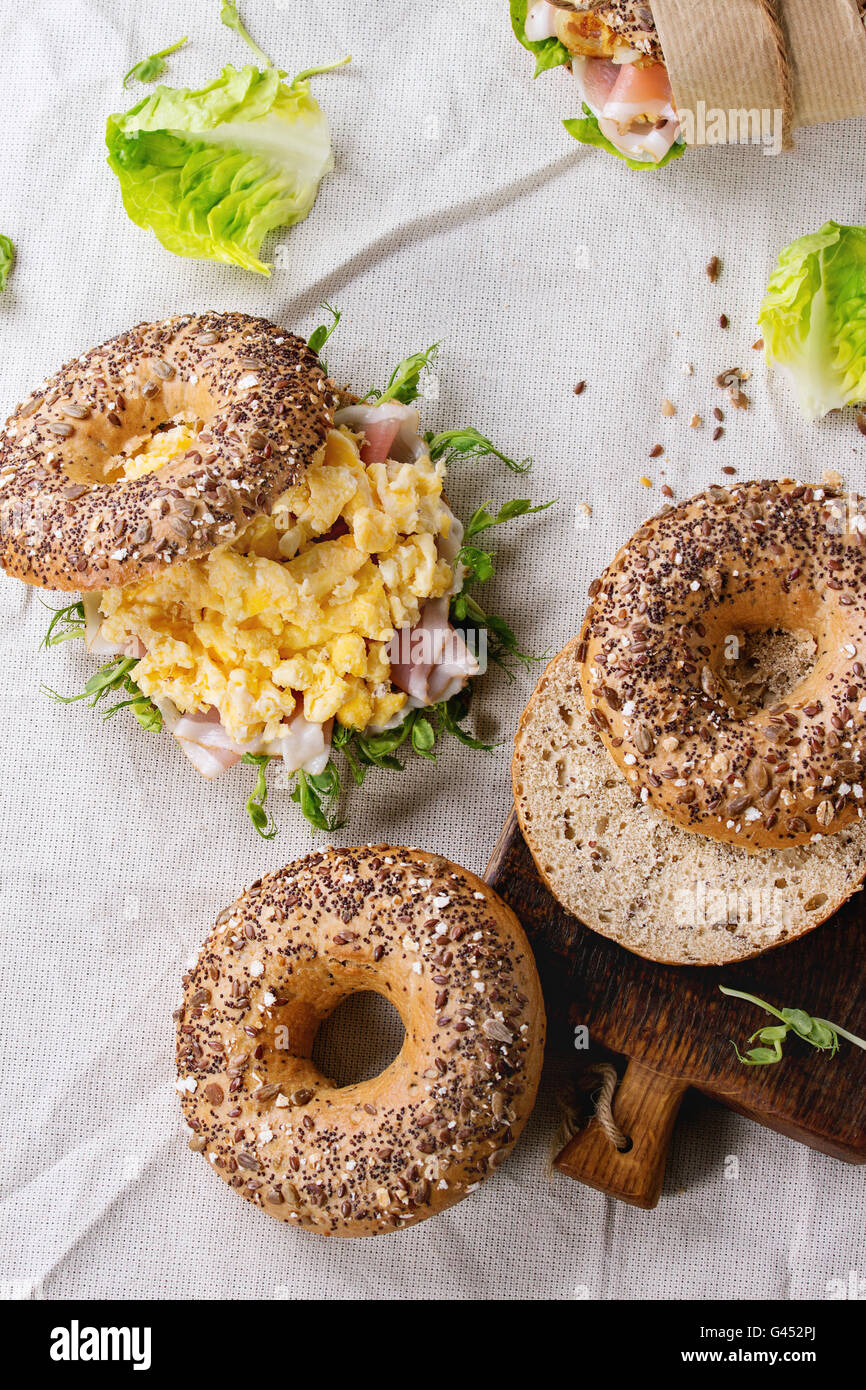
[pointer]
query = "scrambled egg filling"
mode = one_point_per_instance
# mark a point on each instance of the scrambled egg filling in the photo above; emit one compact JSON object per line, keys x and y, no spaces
{"x":302,"y":605}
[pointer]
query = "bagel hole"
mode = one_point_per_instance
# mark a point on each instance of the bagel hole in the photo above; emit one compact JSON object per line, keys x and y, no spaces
{"x":359,"y":1040}
{"x":105,"y":467}
{"x":770,"y":663}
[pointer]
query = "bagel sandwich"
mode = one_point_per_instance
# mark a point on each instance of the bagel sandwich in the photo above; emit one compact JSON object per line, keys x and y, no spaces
{"x":612,"y":49}
{"x":267,"y":566}
{"x":689,"y":773}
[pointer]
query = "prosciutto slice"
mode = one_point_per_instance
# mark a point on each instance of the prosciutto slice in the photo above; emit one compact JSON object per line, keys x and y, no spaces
{"x":304,"y":746}
{"x":640,"y":94}
{"x":632,"y":104}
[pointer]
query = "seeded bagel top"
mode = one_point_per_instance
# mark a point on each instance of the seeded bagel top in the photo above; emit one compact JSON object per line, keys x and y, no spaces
{"x":68,"y":520}
{"x":661,"y":628}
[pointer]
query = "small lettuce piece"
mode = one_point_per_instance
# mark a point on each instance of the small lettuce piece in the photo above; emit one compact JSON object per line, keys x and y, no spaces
{"x":549,"y":53}
{"x":149,"y":69}
{"x":7,"y":259}
{"x":813,"y":317}
{"x":231,"y":19}
{"x":212,"y":171}
{"x":588,"y":132}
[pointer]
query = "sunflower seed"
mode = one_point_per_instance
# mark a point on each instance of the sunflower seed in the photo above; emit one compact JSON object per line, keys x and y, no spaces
{"x":643,"y":739}
{"x":709,"y":684}
{"x":496,"y":1030}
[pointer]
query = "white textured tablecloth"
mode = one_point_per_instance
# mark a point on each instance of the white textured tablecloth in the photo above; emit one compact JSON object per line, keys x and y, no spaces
{"x":459,"y":210}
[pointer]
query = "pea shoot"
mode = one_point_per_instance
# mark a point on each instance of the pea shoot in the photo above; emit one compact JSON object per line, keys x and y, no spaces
{"x":149,"y":69}
{"x":818,"y":1032}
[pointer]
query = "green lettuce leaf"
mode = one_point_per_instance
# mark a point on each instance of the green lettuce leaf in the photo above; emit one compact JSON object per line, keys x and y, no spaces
{"x":549,"y":53}
{"x":588,"y":133}
{"x":813,"y":317}
{"x":7,"y":259}
{"x":212,"y":171}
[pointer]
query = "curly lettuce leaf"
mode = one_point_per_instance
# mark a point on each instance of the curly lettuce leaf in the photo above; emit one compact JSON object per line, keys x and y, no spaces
{"x":212,"y":171}
{"x":549,"y":53}
{"x":588,"y":132}
{"x":813,"y":317}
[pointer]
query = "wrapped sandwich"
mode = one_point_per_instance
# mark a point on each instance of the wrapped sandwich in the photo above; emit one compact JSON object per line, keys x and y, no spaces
{"x":655,"y":76}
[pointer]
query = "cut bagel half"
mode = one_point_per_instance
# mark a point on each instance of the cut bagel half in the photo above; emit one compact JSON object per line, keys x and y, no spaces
{"x":625,"y":871}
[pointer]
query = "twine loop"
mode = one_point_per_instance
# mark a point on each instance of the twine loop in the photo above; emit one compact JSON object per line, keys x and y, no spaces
{"x":600,"y":1080}
{"x":771,"y":9}
{"x":603,"y":1099}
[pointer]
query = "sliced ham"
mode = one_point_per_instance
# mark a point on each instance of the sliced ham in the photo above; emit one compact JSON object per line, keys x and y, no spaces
{"x":202,"y":738}
{"x":206,"y":730}
{"x":210,"y":748}
{"x":304,"y":746}
{"x":650,"y":144}
{"x":600,"y":77}
{"x":430,"y":662}
{"x":93,"y":638}
{"x":210,"y":762}
{"x":391,"y":431}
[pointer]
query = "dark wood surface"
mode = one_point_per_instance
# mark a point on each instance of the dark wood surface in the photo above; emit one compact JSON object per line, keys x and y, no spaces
{"x":673,"y":1021}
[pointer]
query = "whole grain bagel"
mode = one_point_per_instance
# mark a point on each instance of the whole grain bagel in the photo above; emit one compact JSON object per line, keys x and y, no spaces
{"x":628,"y":872}
{"x":664,"y":625}
{"x":376,"y":1156}
{"x":72,"y":521}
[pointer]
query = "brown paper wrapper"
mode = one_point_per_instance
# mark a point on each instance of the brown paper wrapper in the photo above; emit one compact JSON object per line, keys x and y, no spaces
{"x":827,"y":44}
{"x":724,"y":55}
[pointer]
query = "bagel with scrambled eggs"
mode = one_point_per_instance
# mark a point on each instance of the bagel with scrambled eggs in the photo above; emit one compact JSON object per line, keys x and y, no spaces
{"x":252,"y":546}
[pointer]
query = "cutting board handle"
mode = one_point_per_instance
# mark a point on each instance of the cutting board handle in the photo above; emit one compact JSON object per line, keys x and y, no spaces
{"x":645,"y":1108}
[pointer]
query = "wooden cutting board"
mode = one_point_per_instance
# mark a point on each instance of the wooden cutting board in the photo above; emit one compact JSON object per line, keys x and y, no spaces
{"x":674,"y":1027}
